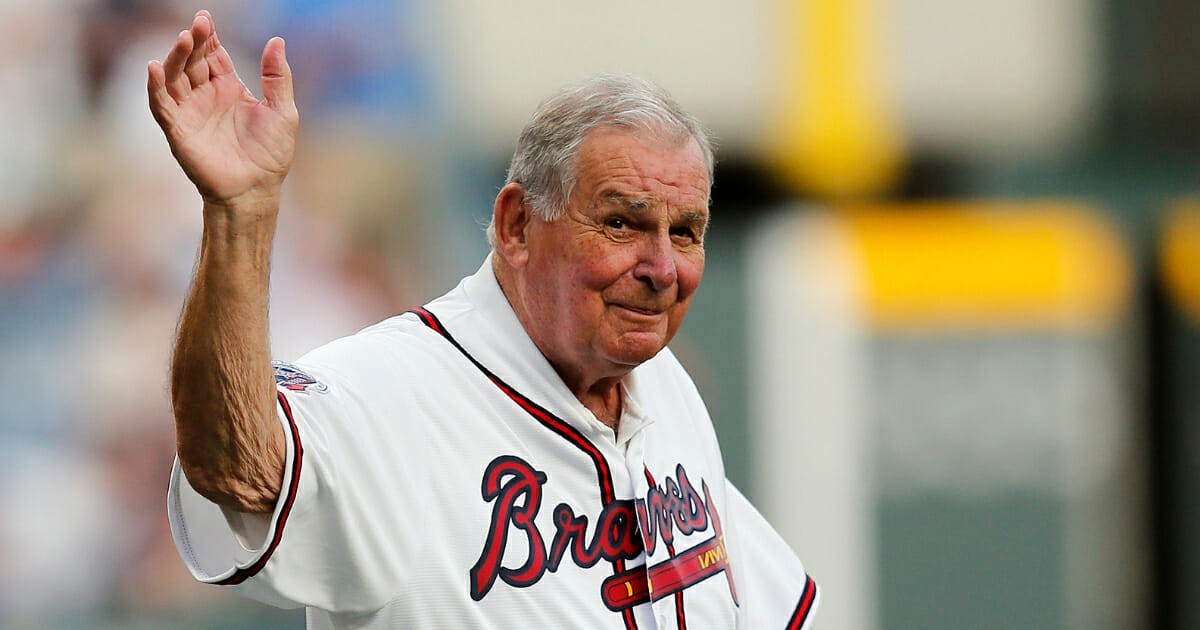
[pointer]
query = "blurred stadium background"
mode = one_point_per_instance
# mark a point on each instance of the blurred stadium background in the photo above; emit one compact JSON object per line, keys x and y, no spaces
{"x":950,"y":327}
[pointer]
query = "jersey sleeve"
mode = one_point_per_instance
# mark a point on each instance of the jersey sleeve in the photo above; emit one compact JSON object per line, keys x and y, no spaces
{"x":317,"y":548}
{"x":774,"y":590}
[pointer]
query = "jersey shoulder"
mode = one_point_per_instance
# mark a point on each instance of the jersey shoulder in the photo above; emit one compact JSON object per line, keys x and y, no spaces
{"x":396,"y":346}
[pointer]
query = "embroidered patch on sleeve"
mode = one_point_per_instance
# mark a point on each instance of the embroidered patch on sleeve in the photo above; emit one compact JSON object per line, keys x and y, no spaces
{"x":294,"y":379}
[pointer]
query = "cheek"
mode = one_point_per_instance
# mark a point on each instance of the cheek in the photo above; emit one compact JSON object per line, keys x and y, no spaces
{"x":690,"y":268}
{"x":580,"y":290}
{"x":602,"y":267}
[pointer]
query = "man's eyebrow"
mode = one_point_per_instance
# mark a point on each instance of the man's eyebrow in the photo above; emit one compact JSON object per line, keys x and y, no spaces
{"x":694,"y":217}
{"x":625,"y":201}
{"x":639,"y":205}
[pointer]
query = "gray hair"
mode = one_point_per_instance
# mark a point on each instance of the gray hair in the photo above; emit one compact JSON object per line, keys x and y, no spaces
{"x":544,"y":162}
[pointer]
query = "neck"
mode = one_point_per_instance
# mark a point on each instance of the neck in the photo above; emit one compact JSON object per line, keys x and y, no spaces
{"x":604,"y":400}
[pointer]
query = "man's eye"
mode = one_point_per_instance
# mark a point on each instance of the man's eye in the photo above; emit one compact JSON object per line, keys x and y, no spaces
{"x":616,"y":223}
{"x":684,"y":232}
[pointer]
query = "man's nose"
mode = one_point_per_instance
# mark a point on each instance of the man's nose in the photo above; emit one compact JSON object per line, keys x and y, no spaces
{"x":656,"y":262}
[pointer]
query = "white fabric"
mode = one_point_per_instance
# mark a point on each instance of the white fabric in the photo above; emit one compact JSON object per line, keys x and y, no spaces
{"x":383,"y":518}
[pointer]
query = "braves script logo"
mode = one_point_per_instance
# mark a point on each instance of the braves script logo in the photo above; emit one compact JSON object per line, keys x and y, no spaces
{"x":515,"y":488}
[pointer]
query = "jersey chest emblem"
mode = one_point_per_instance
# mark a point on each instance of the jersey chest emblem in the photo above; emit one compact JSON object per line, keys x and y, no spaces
{"x":514,"y":487}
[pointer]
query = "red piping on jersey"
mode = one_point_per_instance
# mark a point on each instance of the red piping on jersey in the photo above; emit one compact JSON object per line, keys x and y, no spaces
{"x":679,"y":617}
{"x":805,"y":606}
{"x":241,"y":575}
{"x":550,"y":421}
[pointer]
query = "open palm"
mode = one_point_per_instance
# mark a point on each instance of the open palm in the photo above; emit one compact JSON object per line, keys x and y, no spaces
{"x":228,"y":142}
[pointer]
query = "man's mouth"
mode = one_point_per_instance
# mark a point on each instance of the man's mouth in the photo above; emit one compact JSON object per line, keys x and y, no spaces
{"x":642,"y":310}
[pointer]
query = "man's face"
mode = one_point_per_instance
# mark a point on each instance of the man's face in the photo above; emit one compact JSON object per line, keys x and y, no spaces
{"x":610,"y":282}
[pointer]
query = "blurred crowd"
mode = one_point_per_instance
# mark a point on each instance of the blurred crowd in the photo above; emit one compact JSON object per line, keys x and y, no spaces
{"x":98,"y":236}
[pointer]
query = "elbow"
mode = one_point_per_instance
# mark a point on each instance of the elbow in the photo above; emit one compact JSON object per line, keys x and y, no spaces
{"x":247,"y":493}
{"x":235,"y":460}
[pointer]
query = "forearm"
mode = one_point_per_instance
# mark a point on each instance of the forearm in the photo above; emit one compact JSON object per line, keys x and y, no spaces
{"x":230,"y":445}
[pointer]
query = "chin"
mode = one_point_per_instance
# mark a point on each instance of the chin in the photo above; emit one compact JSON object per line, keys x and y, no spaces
{"x":635,"y":351}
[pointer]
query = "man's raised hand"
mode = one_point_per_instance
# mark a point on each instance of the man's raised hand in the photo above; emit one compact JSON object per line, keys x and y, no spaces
{"x":232,"y":146}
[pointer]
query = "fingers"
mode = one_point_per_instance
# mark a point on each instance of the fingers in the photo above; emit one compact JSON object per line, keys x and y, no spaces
{"x":178,"y":85}
{"x":162,"y":105}
{"x":204,"y":39}
{"x":219,"y":62}
{"x":209,"y":17}
{"x":277,"y":77}
{"x":196,"y":57}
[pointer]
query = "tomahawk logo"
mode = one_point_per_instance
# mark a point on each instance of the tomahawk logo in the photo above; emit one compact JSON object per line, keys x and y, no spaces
{"x":515,"y":489}
{"x":674,"y":505}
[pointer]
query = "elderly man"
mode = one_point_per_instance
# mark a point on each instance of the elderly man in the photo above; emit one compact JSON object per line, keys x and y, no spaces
{"x":523,"y":451}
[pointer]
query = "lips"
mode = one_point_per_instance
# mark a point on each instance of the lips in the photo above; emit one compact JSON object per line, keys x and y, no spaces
{"x":641,"y":310}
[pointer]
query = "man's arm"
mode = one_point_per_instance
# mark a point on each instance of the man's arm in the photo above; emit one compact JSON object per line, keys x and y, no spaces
{"x":237,"y":150}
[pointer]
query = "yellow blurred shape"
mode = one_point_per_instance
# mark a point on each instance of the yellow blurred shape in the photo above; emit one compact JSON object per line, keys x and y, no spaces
{"x":1179,"y":257}
{"x":990,"y":266}
{"x":836,"y":134}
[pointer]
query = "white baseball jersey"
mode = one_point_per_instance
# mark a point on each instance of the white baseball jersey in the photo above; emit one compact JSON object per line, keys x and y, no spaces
{"x":440,"y":474}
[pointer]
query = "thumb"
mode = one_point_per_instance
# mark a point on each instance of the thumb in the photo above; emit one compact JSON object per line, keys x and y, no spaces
{"x":277,"y":77}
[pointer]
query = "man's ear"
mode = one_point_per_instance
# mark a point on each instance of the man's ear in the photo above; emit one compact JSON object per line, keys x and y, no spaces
{"x":511,"y":215}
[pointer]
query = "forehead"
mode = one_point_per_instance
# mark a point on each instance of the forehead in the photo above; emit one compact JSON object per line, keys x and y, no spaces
{"x":617,"y":161}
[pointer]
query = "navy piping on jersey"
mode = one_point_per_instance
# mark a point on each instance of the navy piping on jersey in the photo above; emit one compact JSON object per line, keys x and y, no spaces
{"x":550,"y":421}
{"x":289,"y":499}
{"x":805,"y":606}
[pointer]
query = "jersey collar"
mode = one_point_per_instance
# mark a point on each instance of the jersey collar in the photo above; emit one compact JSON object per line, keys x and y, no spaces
{"x":485,"y":324}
